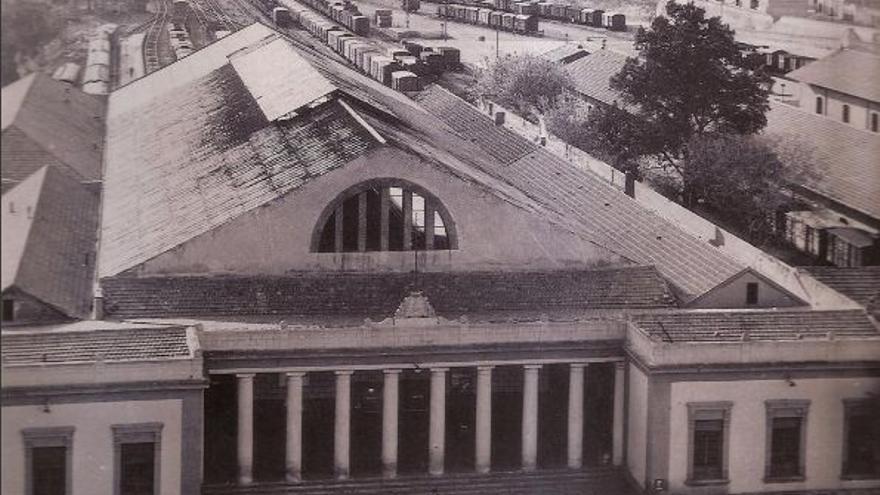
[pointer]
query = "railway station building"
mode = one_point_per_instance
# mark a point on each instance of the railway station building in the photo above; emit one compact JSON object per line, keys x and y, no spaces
{"x":296,"y":280}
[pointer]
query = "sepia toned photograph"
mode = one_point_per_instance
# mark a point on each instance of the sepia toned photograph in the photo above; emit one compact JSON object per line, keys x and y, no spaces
{"x":440,"y":247}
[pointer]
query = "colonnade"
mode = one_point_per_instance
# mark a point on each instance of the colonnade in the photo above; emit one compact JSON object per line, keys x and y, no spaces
{"x":437,"y":421}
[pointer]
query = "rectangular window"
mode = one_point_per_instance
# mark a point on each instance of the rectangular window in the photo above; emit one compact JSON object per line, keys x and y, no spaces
{"x":137,"y":457}
{"x":8,"y":310}
{"x":752,"y":293}
{"x":786,"y":439}
{"x":861,"y":439}
{"x":708,"y":430}
{"x":48,"y":460}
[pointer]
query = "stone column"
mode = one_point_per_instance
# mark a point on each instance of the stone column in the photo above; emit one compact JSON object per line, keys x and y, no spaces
{"x":437,"y":432}
{"x":293,"y":458}
{"x":530,"y":417}
{"x":245,"y":383}
{"x":483,"y":451}
{"x":342,"y":429}
{"x":576,"y":415}
{"x":390,"y":399}
{"x":617,"y":452}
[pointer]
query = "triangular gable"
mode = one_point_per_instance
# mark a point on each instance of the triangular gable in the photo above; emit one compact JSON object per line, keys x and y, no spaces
{"x":732,"y":293}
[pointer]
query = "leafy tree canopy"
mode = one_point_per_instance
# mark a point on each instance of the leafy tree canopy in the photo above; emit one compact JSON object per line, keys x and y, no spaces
{"x":25,"y":28}
{"x":692,"y":79}
{"x":526,"y":84}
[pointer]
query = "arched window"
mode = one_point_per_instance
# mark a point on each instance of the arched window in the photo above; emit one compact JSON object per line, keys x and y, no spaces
{"x":845,"y":114}
{"x":384,"y":215}
{"x":820,"y":107}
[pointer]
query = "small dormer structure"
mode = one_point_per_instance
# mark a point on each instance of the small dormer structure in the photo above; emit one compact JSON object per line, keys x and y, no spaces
{"x":746,"y":289}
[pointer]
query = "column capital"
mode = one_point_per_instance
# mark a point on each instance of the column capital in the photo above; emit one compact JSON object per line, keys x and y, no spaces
{"x":295,"y":374}
{"x":392,"y":371}
{"x":533,"y":366}
{"x":343,"y":372}
{"x":245,"y":375}
{"x":578,"y":365}
{"x":619,"y":364}
{"x":439,"y":370}
{"x":485,"y":368}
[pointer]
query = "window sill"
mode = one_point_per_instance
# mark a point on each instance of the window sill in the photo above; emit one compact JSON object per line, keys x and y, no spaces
{"x":707,"y":482}
{"x":858,"y":477}
{"x":785,"y":479}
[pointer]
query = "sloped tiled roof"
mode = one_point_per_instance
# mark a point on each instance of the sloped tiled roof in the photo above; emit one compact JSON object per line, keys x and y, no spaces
{"x":730,"y":326}
{"x":584,"y":203}
{"x":50,"y":224}
{"x":846,"y":158}
{"x":201,"y":152}
{"x":378,"y":295}
{"x":861,"y":284}
{"x":124,"y":344}
{"x":852,"y":72}
{"x":48,"y":122}
{"x":591,"y":75}
{"x":565,"y":54}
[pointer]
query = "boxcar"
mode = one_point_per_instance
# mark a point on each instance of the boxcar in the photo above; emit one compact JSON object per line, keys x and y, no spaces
{"x":596,"y":19}
{"x":572,"y":14}
{"x":495,"y":19}
{"x":484,"y":16}
{"x":507,"y":21}
{"x":618,"y":22}
{"x":525,"y":24}
{"x":281,"y":17}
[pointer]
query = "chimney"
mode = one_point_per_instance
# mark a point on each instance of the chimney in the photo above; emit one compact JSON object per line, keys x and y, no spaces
{"x":499,"y":118}
{"x":629,"y":186}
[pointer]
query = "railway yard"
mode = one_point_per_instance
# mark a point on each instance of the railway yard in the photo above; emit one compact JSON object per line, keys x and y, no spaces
{"x":179,"y":27}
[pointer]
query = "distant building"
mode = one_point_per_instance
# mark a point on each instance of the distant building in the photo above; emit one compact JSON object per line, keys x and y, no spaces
{"x":863,"y":12}
{"x":50,"y":122}
{"x":842,"y":184}
{"x":843,"y":86}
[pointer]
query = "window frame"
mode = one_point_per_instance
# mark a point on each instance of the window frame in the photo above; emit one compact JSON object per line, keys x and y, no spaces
{"x":378,"y":183}
{"x":849,"y":406}
{"x":701,"y":410}
{"x":786,"y":408}
{"x":137,"y":433}
{"x":54,"y":436}
{"x":753,"y":294}
{"x":844,"y":113}
{"x":820,"y":105}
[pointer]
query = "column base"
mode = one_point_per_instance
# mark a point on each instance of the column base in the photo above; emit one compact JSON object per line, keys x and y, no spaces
{"x":342,"y":476}
{"x":389,"y":472}
{"x":245,"y":479}
{"x":292,"y":478}
{"x":436,"y":472}
{"x":483,"y":469}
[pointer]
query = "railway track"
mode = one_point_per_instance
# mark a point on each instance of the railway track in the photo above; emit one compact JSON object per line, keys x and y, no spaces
{"x":152,"y":37}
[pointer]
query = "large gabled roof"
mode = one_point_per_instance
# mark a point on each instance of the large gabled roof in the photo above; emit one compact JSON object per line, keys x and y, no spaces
{"x":852,"y":72}
{"x":204,"y":140}
{"x":583,"y":203}
{"x":844,"y":159}
{"x":185,"y":161}
{"x":48,"y":122}
{"x":50,"y":224}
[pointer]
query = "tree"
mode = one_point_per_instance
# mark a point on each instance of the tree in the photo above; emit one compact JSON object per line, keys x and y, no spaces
{"x":741,"y":180}
{"x":691,"y":79}
{"x":25,"y":28}
{"x":526,"y":84}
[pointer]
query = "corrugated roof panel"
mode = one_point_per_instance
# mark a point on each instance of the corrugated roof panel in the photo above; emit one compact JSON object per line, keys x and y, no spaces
{"x":279,"y":79}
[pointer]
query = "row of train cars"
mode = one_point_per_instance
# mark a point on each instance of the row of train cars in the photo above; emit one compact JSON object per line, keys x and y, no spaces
{"x":522,"y":17}
{"x":403,"y":68}
{"x":96,"y":77}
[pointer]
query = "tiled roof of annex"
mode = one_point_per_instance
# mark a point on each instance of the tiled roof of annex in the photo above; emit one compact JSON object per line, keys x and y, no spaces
{"x":754,"y":325}
{"x":79,"y":343}
{"x":861,"y":284}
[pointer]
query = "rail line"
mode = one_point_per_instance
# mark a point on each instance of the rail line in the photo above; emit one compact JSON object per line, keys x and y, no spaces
{"x":151,"y":40}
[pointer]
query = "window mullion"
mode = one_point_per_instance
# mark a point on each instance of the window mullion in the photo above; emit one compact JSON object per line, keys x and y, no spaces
{"x":384,"y":218}
{"x":407,"y":220}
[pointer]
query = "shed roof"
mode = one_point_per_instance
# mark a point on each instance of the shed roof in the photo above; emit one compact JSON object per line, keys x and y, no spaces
{"x":50,"y":224}
{"x":61,"y":125}
{"x":845,"y":158}
{"x":592,"y":75}
{"x":848,"y":71}
{"x":861,"y":284}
